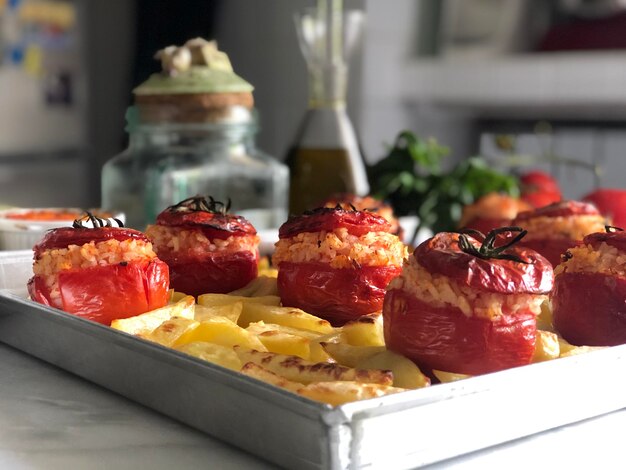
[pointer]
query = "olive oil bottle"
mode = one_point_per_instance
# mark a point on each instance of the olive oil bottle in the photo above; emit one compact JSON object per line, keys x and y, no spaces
{"x":325,"y":158}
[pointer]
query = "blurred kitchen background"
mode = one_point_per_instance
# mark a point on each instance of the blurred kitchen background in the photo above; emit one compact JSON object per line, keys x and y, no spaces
{"x":550,"y":73}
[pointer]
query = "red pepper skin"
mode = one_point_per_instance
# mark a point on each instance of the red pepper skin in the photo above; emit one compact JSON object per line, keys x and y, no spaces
{"x":105,"y":293}
{"x":441,"y":255}
{"x":212,"y":272}
{"x":357,"y":223}
{"x":443,"y":338}
{"x":337,"y":295}
{"x":590,"y":308}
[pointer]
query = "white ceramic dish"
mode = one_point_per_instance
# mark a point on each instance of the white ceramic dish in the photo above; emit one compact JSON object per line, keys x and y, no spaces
{"x":21,"y":234}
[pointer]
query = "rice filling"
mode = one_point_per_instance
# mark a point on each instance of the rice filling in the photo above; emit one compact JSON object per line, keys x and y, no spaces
{"x":441,"y":291}
{"x":340,"y":249}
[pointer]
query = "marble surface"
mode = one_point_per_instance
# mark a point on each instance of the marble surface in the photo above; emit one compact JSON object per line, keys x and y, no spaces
{"x":51,"y":419}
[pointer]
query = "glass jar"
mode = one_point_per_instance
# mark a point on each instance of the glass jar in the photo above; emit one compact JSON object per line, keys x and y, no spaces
{"x":167,"y":162}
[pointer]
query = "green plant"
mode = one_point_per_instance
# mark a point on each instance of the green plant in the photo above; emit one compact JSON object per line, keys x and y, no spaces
{"x":412,"y":180}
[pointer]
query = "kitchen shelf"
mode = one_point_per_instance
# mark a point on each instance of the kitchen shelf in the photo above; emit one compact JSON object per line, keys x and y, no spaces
{"x":555,"y":85}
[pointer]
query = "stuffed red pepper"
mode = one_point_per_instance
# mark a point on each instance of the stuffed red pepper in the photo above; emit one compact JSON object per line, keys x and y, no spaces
{"x":207,"y":249}
{"x":98,"y":271}
{"x":467,"y":306}
{"x":589,"y":297}
{"x":336,"y":263}
{"x":554,"y":228}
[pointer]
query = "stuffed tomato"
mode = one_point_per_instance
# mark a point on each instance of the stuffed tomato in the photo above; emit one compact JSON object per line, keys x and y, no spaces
{"x":336,"y":263}
{"x":467,"y":306}
{"x":348,"y":201}
{"x":555,"y":228}
{"x":589,"y":297}
{"x":207,"y":249}
{"x":97,"y":271}
{"x":491,"y":211}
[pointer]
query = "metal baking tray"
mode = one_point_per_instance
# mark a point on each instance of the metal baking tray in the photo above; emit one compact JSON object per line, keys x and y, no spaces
{"x":404,"y":430}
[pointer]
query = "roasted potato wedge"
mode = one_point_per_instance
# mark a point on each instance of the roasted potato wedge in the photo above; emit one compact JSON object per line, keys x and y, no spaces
{"x":566,"y":349}
{"x":231,"y":311}
{"x":277,"y":334}
{"x":261,"y":373}
{"x":544,"y":319}
{"x":297,"y":369}
{"x":221,"y":331}
{"x":405,"y":373}
{"x":215,"y":353}
{"x":287,"y":316}
{"x":364,"y":331}
{"x":259,"y":287}
{"x":146,"y":323}
{"x":338,"y":393}
{"x":170,"y":331}
{"x":348,"y":355}
{"x":546,"y":346}
{"x":445,"y":377}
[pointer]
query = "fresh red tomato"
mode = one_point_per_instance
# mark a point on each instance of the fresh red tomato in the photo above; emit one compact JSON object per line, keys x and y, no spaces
{"x":443,"y":337}
{"x":539,"y":188}
{"x":103,"y":293}
{"x":209,"y":271}
{"x":611,"y":203}
{"x":338,"y":295}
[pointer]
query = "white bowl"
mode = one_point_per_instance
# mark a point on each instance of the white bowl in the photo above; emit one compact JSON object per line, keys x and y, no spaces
{"x":21,"y":234}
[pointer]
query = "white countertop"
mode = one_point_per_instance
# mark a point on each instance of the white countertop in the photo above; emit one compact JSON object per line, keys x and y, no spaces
{"x":51,"y":419}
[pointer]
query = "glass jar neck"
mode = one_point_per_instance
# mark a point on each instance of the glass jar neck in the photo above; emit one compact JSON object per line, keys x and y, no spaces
{"x":226,"y":133}
{"x":327,"y":85}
